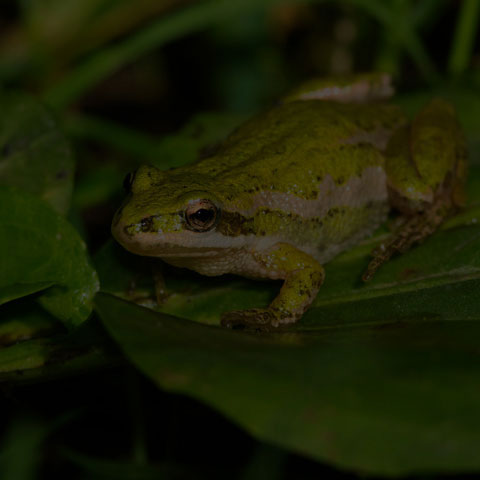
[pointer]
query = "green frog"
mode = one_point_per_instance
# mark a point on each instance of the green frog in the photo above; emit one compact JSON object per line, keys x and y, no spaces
{"x":296,"y":185}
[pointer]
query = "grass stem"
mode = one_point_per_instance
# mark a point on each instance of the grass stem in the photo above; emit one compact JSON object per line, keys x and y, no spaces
{"x":464,"y":37}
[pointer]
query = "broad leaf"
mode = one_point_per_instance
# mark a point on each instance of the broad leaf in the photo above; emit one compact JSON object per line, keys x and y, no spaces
{"x":34,"y":154}
{"x":99,"y":468}
{"x":393,"y":396}
{"x":379,"y":378}
{"x":40,"y":249}
{"x":23,"y":320}
{"x":83,"y":349}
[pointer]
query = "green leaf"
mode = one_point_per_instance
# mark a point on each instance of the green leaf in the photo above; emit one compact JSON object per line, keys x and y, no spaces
{"x":23,"y":444}
{"x":40,"y":249}
{"x":24,"y":319}
{"x":395,"y":396}
{"x":120,"y":272}
{"x":464,"y":37}
{"x":83,"y":349}
{"x":97,"y":186}
{"x":379,"y":378}
{"x":201,"y":131}
{"x":22,"y":447}
{"x":34,"y":154}
{"x":186,"y":21}
{"x":103,"y":469}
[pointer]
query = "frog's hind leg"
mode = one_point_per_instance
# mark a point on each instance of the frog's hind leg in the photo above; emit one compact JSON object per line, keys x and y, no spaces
{"x":411,"y":229}
{"x":426,"y":169}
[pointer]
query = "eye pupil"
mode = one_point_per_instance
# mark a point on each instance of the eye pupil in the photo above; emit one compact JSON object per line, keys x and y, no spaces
{"x":203,"y":215}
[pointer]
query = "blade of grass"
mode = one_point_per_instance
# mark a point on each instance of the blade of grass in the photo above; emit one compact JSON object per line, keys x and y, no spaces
{"x":376,"y":9}
{"x":464,"y":37}
{"x":127,"y":140}
{"x":390,"y":52}
{"x":22,"y":447}
{"x":186,"y":21}
{"x":402,"y":32}
{"x":426,"y":10}
{"x":414,"y":46}
{"x":201,"y":16}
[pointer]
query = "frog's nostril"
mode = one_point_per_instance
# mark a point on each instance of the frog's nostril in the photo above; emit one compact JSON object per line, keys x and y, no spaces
{"x":127,"y":232}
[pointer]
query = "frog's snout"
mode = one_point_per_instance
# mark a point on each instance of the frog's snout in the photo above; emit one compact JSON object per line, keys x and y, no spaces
{"x":122,"y":231}
{"x":117,"y":226}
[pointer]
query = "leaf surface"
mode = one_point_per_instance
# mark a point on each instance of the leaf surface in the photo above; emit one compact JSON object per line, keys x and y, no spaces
{"x":40,"y":249}
{"x":379,"y":378}
{"x":34,"y":154}
{"x":393,"y":396}
{"x":86,"y":348}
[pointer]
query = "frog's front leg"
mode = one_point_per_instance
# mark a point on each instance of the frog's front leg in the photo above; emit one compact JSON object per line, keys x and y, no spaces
{"x":303,"y":277}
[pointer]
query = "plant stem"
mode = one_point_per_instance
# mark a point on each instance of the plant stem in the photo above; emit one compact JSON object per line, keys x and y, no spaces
{"x":464,"y":37}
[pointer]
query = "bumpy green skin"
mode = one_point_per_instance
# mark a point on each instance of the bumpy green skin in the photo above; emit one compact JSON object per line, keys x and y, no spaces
{"x":420,"y":157}
{"x":296,"y":185}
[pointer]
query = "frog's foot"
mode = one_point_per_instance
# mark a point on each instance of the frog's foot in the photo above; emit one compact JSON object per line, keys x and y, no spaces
{"x":412,"y":230}
{"x":256,"y":319}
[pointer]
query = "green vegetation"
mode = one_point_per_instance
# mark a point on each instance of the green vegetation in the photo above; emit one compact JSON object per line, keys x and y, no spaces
{"x":378,"y":379}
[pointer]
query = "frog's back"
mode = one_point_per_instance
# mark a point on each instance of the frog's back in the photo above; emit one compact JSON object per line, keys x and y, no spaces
{"x":308,"y":173}
{"x":299,"y":142}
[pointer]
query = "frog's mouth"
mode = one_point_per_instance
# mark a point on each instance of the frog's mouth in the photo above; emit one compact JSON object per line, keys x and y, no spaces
{"x":179,"y":244}
{"x":173,"y":251}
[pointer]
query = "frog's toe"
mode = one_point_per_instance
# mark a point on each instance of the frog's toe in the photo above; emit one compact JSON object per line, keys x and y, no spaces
{"x":259,"y":319}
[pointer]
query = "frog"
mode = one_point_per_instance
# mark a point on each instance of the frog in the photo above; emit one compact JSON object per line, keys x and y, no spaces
{"x":291,"y":188}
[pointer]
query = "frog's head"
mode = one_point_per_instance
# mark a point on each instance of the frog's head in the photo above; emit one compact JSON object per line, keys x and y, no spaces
{"x":167,"y":213}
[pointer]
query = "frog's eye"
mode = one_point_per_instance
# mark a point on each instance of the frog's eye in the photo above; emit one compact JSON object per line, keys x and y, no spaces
{"x":201,"y":216}
{"x":128,"y":181}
